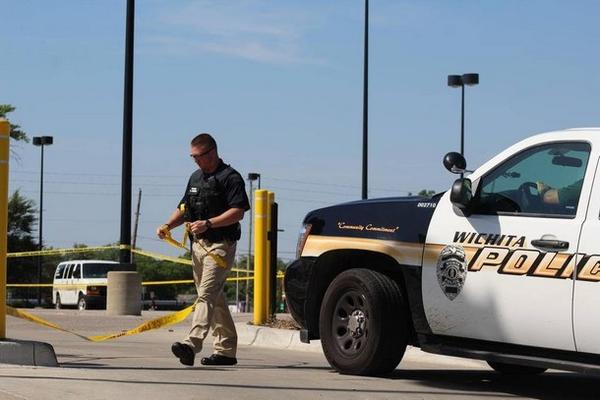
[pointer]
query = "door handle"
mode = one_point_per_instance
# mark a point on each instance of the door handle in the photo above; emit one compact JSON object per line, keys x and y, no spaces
{"x":550,"y":244}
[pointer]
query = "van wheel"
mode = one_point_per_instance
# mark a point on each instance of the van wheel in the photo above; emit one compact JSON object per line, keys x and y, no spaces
{"x":57,"y":305}
{"x":514,"y":369}
{"x":363,"y":323}
{"x":81,"y":304}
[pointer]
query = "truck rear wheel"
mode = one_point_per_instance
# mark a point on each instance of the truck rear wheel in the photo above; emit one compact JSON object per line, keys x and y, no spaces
{"x":363,"y":323}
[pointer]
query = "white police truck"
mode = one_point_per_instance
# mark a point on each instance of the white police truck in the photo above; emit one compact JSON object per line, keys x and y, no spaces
{"x":503,"y":267}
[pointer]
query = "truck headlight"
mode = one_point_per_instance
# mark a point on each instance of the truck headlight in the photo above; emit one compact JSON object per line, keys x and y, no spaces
{"x":304,"y":232}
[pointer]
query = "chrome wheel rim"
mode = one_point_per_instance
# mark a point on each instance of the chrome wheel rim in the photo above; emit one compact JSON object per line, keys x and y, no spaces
{"x":351,"y":323}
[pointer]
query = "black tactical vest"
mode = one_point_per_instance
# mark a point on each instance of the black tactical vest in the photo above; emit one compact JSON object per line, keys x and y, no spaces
{"x":206,"y":198}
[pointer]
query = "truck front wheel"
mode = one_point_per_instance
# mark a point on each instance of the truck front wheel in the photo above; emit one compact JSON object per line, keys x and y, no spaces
{"x":363,"y":323}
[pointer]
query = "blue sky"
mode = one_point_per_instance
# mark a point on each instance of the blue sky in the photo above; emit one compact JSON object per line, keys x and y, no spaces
{"x":279,"y":84}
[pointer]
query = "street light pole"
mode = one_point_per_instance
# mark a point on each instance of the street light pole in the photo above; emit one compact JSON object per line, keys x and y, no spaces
{"x":460,"y":81}
{"x":462,"y":120}
{"x":41,"y":141}
{"x":365,"y":155}
{"x":125,"y":240}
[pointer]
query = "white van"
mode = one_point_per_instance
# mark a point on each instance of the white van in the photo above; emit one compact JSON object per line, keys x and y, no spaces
{"x":81,"y":283}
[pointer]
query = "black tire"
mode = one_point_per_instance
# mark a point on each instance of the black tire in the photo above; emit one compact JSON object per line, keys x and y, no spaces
{"x":514,"y":369}
{"x":363,"y":323}
{"x":81,"y":303}
{"x":58,"y":304}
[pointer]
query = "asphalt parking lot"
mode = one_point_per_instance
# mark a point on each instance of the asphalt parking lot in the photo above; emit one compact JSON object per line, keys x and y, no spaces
{"x":142,"y":367}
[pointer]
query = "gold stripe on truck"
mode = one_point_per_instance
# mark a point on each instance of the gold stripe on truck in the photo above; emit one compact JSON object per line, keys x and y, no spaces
{"x":403,"y":252}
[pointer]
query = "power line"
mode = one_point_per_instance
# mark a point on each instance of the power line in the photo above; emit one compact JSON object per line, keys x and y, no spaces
{"x":265,"y":179}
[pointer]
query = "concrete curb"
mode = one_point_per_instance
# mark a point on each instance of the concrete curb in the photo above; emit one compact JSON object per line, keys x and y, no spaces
{"x":287,"y":339}
{"x":27,"y":352}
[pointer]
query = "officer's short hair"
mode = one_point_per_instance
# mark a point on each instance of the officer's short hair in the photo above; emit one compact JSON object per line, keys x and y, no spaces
{"x":205,"y":140}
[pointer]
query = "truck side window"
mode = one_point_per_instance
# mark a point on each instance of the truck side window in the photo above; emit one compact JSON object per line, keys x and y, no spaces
{"x":542,"y":180}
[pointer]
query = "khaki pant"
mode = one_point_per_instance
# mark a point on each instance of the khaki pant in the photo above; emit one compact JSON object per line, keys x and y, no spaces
{"x":211,"y":311}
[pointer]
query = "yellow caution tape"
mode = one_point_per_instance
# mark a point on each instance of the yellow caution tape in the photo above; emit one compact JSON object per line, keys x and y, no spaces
{"x":179,"y":282}
{"x":181,"y":245}
{"x":59,"y":251}
{"x":157,"y":256}
{"x":177,"y":260}
{"x":149,"y":283}
{"x":24,"y":315}
{"x":156,"y":323}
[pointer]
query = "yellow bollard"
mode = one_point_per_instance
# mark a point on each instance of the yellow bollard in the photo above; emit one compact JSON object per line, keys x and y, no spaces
{"x":260,"y":257}
{"x":270,"y":201}
{"x":4,"y":154}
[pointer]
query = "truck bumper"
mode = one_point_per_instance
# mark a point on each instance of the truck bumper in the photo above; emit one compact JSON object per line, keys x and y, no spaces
{"x":296,"y":285}
{"x":96,"y":301}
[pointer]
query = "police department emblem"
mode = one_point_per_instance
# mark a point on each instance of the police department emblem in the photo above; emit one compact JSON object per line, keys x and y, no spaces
{"x":452,"y":270}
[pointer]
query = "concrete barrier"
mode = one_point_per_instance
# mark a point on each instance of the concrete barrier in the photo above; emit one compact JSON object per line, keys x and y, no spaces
{"x":27,"y":352}
{"x":124,"y":293}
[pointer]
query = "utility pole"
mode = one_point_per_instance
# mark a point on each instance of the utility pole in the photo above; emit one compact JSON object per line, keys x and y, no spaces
{"x":125,"y":242}
{"x":137,"y":218}
{"x":365,"y":157}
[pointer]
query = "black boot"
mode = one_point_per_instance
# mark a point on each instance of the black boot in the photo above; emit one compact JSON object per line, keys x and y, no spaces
{"x":218,"y":359}
{"x":184,"y":353}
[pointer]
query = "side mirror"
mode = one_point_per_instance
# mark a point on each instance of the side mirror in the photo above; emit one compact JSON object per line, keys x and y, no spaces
{"x":455,"y":163}
{"x":460,"y":194}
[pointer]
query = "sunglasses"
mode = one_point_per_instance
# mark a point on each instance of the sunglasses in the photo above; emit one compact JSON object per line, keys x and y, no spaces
{"x":198,"y":156}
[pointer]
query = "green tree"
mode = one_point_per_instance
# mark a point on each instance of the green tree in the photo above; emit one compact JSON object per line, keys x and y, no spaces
{"x":15,"y":130}
{"x":426,"y":193}
{"x":21,"y":218}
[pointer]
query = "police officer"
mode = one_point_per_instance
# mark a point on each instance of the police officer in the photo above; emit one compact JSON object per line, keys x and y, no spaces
{"x":213,"y":204}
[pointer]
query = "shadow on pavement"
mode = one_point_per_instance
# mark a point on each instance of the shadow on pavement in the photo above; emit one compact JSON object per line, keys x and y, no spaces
{"x":274,"y":388}
{"x":547,"y":386}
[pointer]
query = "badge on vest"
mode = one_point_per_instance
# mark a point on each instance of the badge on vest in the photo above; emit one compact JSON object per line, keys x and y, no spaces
{"x":193,"y":190}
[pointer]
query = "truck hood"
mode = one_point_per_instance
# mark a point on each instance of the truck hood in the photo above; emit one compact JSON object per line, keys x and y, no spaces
{"x":403,"y":219}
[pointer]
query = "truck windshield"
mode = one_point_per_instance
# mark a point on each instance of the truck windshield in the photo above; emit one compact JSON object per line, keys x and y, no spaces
{"x":97,"y":270}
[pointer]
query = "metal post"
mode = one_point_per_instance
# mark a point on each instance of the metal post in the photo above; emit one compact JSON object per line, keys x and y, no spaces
{"x":41,"y":141}
{"x":125,"y":243}
{"x":4,"y":158}
{"x":462,"y":124}
{"x":462,"y":121}
{"x":273,"y":255}
{"x":41,"y":226}
{"x":365,"y":163}
{"x":247,"y":303}
{"x":137,"y":219}
{"x":268,"y":259}
{"x":252,"y":176}
{"x":260,"y":255}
